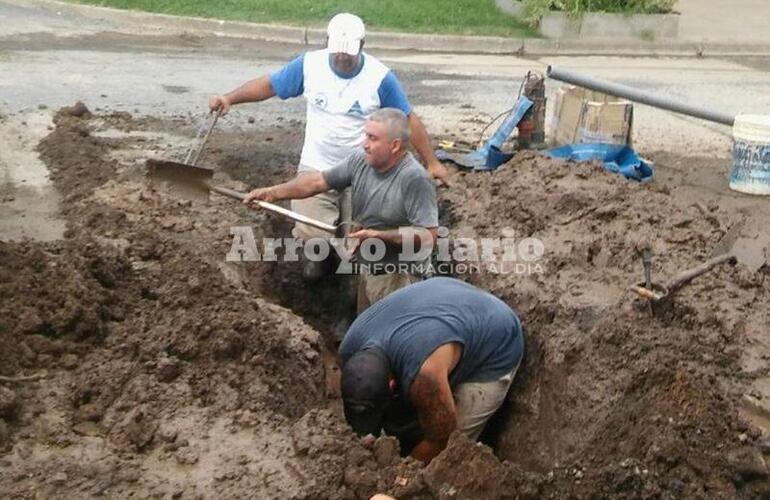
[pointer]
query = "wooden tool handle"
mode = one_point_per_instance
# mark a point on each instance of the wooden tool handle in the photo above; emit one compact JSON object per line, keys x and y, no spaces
{"x":279,"y":210}
{"x":298,"y":217}
{"x":686,"y":276}
{"x":645,"y":293}
{"x":228,"y":192}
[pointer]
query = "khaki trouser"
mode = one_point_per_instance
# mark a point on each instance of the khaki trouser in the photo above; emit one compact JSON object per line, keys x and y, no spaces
{"x":476,"y":402}
{"x":372,"y":288}
{"x":331,"y":207}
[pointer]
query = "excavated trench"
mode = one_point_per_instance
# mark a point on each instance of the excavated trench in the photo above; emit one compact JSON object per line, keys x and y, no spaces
{"x":172,"y":372}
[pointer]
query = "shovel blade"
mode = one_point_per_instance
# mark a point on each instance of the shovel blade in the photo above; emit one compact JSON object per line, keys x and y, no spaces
{"x":180,"y":179}
{"x":748,"y":242}
{"x":752,"y":252}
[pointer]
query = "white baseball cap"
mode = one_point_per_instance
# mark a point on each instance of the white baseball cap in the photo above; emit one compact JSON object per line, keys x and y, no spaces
{"x":345,"y":34}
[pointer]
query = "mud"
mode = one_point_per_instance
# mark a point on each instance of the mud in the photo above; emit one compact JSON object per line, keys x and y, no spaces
{"x":624,"y":402}
{"x":169,"y":372}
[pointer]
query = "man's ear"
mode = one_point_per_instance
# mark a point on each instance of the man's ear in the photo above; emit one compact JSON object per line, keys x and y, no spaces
{"x":396,"y":145}
{"x":392,"y":385}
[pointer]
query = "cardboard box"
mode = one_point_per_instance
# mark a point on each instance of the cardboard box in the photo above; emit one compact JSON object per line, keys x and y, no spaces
{"x":583,"y":116}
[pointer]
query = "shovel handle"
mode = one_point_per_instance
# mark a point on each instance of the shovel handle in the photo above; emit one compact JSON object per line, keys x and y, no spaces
{"x":231,"y":193}
{"x":279,"y":210}
{"x":645,"y":293}
{"x":194,"y":153}
{"x":298,"y":217}
{"x":688,"y":275}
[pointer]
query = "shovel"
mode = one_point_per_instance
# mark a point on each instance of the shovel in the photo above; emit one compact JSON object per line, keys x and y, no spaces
{"x":194,"y":183}
{"x":733,"y":247}
{"x":747,"y":242}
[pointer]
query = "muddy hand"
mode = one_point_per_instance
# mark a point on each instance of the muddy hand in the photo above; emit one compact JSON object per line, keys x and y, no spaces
{"x":439,"y":172}
{"x":219,"y":103}
{"x":259,"y":194}
{"x":359,"y":236}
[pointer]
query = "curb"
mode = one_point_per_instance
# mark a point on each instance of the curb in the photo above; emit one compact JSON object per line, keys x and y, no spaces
{"x":154,"y":23}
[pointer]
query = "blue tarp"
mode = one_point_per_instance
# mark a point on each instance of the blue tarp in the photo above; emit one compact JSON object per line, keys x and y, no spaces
{"x":489,"y":156}
{"x":617,"y":158}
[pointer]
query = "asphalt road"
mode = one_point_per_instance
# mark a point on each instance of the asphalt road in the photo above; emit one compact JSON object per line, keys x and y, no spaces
{"x":55,"y":60}
{"x":50,"y":59}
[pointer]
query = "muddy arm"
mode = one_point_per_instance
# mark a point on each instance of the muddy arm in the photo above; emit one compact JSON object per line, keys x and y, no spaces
{"x":395,"y":237}
{"x":302,"y":186}
{"x":421,"y":143}
{"x":431,"y":396}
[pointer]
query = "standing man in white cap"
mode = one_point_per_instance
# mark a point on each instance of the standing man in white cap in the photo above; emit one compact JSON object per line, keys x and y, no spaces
{"x":343,"y":86}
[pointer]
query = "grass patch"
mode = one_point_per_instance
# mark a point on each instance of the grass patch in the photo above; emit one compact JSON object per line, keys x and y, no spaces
{"x":466,"y":17}
{"x":536,"y":9}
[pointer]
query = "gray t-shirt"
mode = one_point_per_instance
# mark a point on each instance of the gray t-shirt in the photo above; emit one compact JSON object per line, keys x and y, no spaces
{"x":411,"y":323}
{"x":403,"y":196}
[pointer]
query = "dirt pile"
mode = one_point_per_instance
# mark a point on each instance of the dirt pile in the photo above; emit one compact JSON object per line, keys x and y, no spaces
{"x":130,"y":348}
{"x":53,"y":292}
{"x":76,"y":160}
{"x":174,"y":373}
{"x":148,"y":346}
{"x":620,"y":402}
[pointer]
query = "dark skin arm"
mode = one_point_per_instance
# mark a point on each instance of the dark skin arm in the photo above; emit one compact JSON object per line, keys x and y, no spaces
{"x":421,"y":143}
{"x":303,"y":186}
{"x":431,"y":396}
{"x":255,"y":90}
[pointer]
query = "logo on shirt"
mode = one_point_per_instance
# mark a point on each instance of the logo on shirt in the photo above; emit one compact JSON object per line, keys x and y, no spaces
{"x":355,"y":109}
{"x":320,"y":100}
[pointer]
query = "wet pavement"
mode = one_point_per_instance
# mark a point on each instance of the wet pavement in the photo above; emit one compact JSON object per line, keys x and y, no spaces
{"x":29,"y":204}
{"x":49,"y":60}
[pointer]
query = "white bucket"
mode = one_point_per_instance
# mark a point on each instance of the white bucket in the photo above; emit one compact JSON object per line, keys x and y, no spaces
{"x":751,"y":155}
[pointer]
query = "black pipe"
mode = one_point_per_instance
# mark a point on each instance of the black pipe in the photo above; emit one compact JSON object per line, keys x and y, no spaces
{"x":639,"y":96}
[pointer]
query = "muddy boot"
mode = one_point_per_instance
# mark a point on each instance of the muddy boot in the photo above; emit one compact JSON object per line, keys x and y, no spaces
{"x":346,"y":306}
{"x":313,"y":271}
{"x":342,"y":325}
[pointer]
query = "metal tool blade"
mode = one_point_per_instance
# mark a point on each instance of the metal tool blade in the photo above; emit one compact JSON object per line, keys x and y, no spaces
{"x":179,"y":178}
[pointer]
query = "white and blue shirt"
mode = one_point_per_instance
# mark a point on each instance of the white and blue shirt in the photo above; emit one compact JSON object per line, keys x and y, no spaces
{"x":337,"y":105}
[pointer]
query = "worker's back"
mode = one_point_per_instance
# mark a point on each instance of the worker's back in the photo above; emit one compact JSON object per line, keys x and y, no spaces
{"x":409,"y":324}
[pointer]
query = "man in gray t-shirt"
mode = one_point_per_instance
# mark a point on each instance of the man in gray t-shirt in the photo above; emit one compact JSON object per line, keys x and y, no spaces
{"x":394,"y":205}
{"x":403,"y":196}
